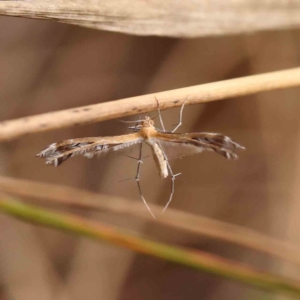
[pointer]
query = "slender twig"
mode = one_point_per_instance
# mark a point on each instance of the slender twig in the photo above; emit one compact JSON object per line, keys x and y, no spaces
{"x":184,"y":256}
{"x":141,"y":104}
{"x":63,"y":195}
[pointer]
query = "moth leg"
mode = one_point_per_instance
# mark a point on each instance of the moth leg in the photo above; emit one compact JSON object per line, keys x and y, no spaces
{"x":135,"y":157}
{"x":126,"y":179}
{"x":132,"y":178}
{"x":173,"y":177}
{"x":159,"y":115}
{"x":137,"y":179}
{"x":180,"y":117}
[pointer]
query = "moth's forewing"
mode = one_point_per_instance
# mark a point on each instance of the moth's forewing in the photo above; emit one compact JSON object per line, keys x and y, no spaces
{"x":57,"y":153}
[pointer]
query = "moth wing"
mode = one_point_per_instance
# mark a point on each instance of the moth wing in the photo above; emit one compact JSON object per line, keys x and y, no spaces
{"x":178,"y":150}
{"x":57,"y":153}
{"x":178,"y":145}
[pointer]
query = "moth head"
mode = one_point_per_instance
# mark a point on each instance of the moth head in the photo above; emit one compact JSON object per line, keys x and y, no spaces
{"x":147,"y":122}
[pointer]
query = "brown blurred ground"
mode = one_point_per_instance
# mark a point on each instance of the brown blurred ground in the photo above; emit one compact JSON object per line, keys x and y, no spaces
{"x":46,"y":66}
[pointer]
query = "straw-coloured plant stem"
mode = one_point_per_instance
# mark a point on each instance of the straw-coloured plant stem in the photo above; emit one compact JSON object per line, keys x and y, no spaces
{"x":141,"y":104}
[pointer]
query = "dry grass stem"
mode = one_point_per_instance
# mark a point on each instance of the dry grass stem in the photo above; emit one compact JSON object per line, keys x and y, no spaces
{"x":121,"y":108}
{"x":180,"y":220}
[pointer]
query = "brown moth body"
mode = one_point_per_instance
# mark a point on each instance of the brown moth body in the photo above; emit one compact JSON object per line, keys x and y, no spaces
{"x":160,"y":142}
{"x":57,"y":153}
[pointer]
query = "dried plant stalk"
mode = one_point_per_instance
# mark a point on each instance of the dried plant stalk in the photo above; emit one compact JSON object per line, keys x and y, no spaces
{"x":189,"y":18}
{"x":67,"y":196}
{"x":115,"y":109}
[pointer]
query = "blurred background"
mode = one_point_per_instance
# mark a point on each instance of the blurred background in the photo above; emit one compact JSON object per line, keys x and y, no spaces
{"x":46,"y":66}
